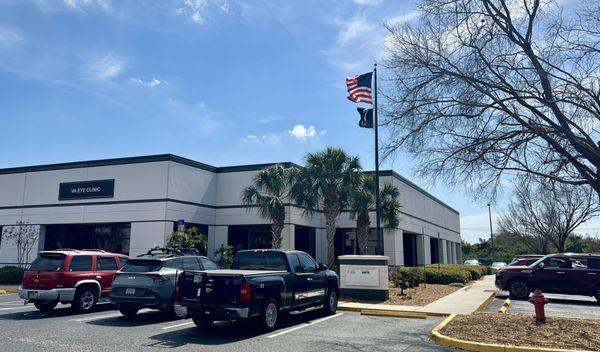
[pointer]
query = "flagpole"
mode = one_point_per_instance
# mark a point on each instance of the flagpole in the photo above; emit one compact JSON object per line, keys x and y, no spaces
{"x":377,"y":203}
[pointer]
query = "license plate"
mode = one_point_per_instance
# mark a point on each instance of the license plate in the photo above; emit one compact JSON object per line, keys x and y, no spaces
{"x":130,"y":291}
{"x":32,"y":294}
{"x":197,"y":278}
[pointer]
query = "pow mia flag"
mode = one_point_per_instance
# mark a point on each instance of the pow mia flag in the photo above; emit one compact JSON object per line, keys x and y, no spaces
{"x":366,"y":117}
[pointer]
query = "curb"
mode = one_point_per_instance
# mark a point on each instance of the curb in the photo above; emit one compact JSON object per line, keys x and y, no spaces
{"x":505,"y":306}
{"x":443,"y":340}
{"x":394,"y":313}
{"x":486,"y":302}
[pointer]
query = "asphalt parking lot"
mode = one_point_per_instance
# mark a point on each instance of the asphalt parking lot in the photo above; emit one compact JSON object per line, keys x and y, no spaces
{"x":569,"y":306}
{"x":26,"y":329}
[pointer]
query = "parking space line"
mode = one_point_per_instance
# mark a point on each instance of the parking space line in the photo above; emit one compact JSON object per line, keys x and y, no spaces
{"x":305,"y":325}
{"x":10,"y":303}
{"x":97,"y":317}
{"x":178,"y":325}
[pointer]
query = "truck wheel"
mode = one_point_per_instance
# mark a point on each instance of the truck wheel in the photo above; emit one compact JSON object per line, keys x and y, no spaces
{"x":269,"y":314}
{"x":331,"y":302}
{"x":519,"y":289}
{"x":85,"y":299}
{"x":201,"y":321}
{"x":128,"y":311}
{"x":45,"y":306}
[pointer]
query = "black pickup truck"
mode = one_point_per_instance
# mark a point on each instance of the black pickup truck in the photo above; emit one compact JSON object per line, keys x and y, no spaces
{"x":262,"y":283}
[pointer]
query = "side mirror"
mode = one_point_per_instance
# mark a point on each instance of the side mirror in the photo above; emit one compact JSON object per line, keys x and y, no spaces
{"x":322,"y":267}
{"x":541,"y":266}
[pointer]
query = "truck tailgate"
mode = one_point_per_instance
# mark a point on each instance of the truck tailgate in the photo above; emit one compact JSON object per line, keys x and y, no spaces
{"x":204,"y":288}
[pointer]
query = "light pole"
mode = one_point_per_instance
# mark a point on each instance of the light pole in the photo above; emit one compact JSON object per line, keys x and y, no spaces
{"x":491,"y":231}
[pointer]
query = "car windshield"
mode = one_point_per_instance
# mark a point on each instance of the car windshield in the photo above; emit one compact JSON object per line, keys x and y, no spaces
{"x":47,"y":262}
{"x":141,"y":266}
{"x":263,"y":260}
{"x":538,"y":261}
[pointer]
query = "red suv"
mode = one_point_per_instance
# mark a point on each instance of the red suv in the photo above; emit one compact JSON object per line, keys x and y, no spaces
{"x":566,"y":273}
{"x":79,"y":277}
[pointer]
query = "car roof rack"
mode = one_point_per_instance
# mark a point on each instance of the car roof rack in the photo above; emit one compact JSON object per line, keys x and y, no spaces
{"x":62,"y":250}
{"x":94,"y":250}
{"x":166,"y":251}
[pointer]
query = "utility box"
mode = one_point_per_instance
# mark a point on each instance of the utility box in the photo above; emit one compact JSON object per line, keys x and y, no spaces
{"x":364,"y":277}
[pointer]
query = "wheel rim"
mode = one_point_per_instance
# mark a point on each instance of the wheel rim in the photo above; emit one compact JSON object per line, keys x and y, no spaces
{"x":271,"y":315}
{"x":332,"y":301}
{"x":519,"y":289}
{"x":87,"y":300}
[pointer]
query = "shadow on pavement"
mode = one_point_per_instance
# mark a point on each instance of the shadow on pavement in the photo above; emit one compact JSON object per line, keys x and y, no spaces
{"x":140,"y":319}
{"x":222,"y":333}
{"x":60,"y":311}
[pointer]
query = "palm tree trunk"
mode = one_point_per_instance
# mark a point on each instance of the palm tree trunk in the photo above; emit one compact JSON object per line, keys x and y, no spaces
{"x":363,"y":225}
{"x":276,"y":229}
{"x":331,"y":210}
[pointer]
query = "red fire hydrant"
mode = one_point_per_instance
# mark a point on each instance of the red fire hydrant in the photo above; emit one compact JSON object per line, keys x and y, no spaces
{"x":539,"y":302}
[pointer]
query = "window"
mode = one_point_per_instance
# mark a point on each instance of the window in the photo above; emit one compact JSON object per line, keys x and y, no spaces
{"x":141,"y":266}
{"x":174,"y":263}
{"x":579,"y":263}
{"x":556,"y":263}
{"x":81,"y":263}
{"x":308,"y":265}
{"x":106,"y":263}
{"x":593,"y":263}
{"x":260,"y":260}
{"x":47,"y":262}
{"x":191,"y":263}
{"x":295,"y":263}
{"x":208,"y":264}
{"x":123,"y":261}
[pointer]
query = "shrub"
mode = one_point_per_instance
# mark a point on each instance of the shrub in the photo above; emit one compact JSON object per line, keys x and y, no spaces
{"x":412,"y":276}
{"x":446,"y":275}
{"x":11,"y":275}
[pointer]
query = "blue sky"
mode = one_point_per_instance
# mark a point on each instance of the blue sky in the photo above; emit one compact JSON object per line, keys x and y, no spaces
{"x":224,"y":82}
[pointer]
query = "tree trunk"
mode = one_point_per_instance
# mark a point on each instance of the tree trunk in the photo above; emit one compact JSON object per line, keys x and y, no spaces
{"x":276,"y":229}
{"x":331,"y":210}
{"x":363,"y":226}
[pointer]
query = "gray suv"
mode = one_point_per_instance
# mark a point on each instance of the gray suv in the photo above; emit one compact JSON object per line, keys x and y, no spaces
{"x":148,"y":281}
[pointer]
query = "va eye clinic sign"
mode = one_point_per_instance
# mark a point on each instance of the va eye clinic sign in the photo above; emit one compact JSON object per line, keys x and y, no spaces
{"x":86,"y":189}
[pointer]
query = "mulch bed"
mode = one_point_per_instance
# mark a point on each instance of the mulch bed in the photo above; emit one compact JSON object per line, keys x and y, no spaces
{"x":523,"y":330}
{"x":418,"y":296}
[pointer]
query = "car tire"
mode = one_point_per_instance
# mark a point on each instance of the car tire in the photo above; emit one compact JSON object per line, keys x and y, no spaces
{"x":269,"y":315}
{"x":201,"y":321}
{"x":85,"y":299}
{"x":331,"y":302}
{"x":45,"y":306}
{"x":597,"y":293}
{"x":519,"y":289}
{"x":128,"y":311}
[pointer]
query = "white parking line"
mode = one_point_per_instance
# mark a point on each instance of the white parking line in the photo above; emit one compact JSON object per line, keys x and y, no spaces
{"x":10,"y":303}
{"x":178,"y":325}
{"x":304,"y":325}
{"x":98,"y":317}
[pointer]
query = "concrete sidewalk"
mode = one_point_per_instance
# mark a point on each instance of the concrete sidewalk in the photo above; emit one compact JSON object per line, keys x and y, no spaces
{"x":464,"y":301}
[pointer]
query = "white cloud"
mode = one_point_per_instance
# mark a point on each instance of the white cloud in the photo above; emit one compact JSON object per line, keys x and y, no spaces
{"x":104,"y":68}
{"x":367,"y":2}
{"x":195,"y":9}
{"x":357,"y":44}
{"x":396,"y":20}
{"x":151,"y":83}
{"x":9,"y":38}
{"x":301,"y":132}
{"x":269,"y":138}
{"x":80,"y":5}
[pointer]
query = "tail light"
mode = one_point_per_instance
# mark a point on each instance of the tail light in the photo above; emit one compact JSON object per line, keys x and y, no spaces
{"x":178,"y":295}
{"x":245,"y":292}
{"x":157,"y":277}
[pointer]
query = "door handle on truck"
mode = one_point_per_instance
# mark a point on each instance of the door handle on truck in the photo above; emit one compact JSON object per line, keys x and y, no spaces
{"x":560,"y":272}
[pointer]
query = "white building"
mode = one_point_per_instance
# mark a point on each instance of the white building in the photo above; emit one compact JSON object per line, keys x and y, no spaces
{"x":132,"y":204}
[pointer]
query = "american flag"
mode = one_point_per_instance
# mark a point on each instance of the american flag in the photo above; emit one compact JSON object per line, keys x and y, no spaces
{"x":359,"y":88}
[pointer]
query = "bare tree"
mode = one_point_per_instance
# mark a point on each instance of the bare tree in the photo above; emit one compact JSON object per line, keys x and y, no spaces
{"x":548,"y":212}
{"x":481,"y":88}
{"x":24,"y":236}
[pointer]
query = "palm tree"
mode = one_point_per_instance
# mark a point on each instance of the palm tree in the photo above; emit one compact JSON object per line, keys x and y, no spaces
{"x":269,"y":192}
{"x":326,"y":181}
{"x":363,"y":200}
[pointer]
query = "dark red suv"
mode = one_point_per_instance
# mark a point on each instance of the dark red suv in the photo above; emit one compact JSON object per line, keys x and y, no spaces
{"x":79,"y":277}
{"x":565,"y":273}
